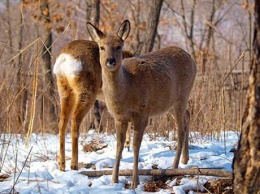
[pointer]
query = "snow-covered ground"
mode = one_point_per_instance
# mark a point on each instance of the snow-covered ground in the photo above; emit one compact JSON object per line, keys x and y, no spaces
{"x":35,"y":170}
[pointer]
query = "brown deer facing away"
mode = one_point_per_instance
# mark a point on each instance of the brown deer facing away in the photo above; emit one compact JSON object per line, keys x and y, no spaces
{"x":78,"y":74}
{"x":141,"y":87}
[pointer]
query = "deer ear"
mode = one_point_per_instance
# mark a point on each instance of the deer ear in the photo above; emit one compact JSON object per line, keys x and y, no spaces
{"x":124,"y":30}
{"x":94,"y":32}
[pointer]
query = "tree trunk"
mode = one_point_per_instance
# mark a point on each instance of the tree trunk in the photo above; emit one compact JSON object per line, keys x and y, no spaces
{"x":10,"y":37}
{"x":189,"y":33}
{"x":48,"y":105}
{"x":19,"y":83}
{"x":136,"y":11}
{"x":93,"y":11}
{"x":247,"y":158}
{"x":153,"y":20}
{"x":209,"y":37}
{"x":93,"y":16}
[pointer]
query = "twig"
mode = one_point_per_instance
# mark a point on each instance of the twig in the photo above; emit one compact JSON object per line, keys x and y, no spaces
{"x":33,"y":103}
{"x":15,"y":182}
{"x":239,"y":59}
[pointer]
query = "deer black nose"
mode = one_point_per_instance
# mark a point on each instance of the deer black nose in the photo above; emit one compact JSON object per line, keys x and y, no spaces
{"x":111,"y":61}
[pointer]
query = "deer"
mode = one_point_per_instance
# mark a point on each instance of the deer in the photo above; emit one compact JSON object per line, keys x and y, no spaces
{"x":144,"y":86}
{"x":78,"y":77}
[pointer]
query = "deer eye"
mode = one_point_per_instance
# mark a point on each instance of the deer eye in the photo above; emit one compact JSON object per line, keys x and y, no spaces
{"x":118,"y":48}
{"x":102,"y":48}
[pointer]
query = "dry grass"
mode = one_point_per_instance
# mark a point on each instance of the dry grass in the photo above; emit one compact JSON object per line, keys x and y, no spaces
{"x":217,"y":104}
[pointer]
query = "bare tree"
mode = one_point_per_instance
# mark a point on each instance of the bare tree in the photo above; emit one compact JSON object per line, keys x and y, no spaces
{"x":211,"y":25}
{"x":209,"y":36}
{"x":153,"y":20}
{"x":189,"y":32}
{"x":48,"y":104}
{"x":9,"y":25}
{"x":186,"y":24}
{"x":93,"y":11}
{"x":21,"y":101}
{"x":246,"y":162}
{"x":136,"y":10}
{"x":93,"y":16}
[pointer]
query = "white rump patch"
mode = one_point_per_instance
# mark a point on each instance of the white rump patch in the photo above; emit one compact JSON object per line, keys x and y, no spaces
{"x":67,"y":65}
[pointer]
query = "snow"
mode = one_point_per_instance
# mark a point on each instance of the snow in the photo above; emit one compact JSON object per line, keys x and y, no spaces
{"x":35,"y":169}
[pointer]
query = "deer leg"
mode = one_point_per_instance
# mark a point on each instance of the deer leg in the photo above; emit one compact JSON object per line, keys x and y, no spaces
{"x":121,"y":128}
{"x":98,"y":117}
{"x":66,"y":107}
{"x":179,"y":116}
{"x":66,"y":103}
{"x":185,"y":149}
{"x":81,"y":108}
{"x":140,"y":124}
{"x":179,"y":121}
{"x":128,"y":137}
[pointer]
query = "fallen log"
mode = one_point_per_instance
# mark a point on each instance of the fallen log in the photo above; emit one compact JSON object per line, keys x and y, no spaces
{"x":163,"y":172}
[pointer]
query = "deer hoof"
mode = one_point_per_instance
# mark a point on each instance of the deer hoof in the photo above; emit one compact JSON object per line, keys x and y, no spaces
{"x":127,"y":145}
{"x":74,"y":167}
{"x":62,"y":166}
{"x":184,"y":160}
{"x":134,"y":185}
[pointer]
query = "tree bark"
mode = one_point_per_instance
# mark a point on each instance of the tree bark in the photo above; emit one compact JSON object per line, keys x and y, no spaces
{"x":93,"y":11}
{"x":153,"y":20}
{"x":10,"y":37}
{"x":247,"y":158}
{"x":48,"y":105}
{"x":189,"y":33}
{"x":93,"y":16}
{"x":19,"y":83}
{"x":209,"y":37}
{"x":135,"y":9}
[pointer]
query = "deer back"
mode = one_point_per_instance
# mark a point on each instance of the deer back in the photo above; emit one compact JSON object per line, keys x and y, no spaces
{"x":152,"y":82}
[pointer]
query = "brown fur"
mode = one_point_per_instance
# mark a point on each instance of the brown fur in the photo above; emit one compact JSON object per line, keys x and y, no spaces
{"x":145,"y":86}
{"x":78,"y":94}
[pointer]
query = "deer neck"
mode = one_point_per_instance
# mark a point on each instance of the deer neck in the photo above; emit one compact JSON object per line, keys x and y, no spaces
{"x":114,"y":84}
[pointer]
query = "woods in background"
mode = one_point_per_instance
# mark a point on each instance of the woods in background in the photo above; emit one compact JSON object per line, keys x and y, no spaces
{"x":216,"y":33}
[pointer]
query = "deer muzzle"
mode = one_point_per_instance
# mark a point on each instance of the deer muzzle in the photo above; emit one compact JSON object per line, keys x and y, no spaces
{"x":111,"y":62}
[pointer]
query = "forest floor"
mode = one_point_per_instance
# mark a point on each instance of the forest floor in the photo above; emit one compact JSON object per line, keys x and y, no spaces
{"x":34,"y":169}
